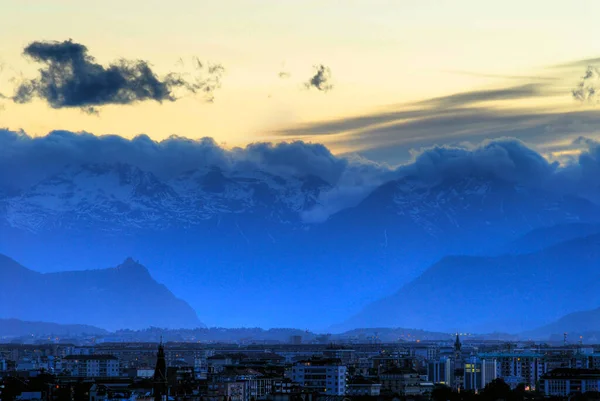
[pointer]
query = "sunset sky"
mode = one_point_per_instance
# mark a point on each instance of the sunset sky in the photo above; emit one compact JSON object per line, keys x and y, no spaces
{"x":384,"y":56}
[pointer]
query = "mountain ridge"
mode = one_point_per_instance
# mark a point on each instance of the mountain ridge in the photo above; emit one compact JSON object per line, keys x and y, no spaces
{"x":19,"y":328}
{"x":460,"y":292}
{"x":122,"y":296}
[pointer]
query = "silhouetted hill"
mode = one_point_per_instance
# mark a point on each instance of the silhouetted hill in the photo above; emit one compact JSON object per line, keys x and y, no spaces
{"x":575,"y":324}
{"x":484,"y":294}
{"x":19,"y":328}
{"x":122,"y":297}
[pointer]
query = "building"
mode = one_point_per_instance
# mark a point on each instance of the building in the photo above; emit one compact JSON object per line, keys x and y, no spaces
{"x":360,"y":386}
{"x":231,"y":391}
{"x":91,"y":365}
{"x":478,"y":373}
{"x":518,"y":367}
{"x":346,"y":355}
{"x":402,"y":381}
{"x":325,"y":376}
{"x":441,"y":372}
{"x":563,"y":382}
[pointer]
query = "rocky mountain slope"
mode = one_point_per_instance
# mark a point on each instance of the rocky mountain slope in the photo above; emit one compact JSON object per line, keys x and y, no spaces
{"x":125,"y":296}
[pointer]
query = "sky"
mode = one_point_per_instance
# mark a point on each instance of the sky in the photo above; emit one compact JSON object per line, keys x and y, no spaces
{"x":385,"y":58}
{"x":357,"y":92}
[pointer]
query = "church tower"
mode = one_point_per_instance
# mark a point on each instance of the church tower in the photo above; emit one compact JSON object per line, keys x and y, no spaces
{"x":457,"y":347}
{"x":160,"y":375}
{"x":458,"y":364}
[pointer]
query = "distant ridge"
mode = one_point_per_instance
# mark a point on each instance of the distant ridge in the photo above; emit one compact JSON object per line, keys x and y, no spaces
{"x":125,"y":296}
{"x":576,"y":323}
{"x":19,"y":328}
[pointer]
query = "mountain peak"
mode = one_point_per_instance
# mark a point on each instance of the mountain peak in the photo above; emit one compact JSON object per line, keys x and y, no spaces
{"x":125,"y":296}
{"x":132,"y":267}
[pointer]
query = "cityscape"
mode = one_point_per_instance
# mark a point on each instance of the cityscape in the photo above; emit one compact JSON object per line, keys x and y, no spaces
{"x":295,"y":200}
{"x":463,"y":368}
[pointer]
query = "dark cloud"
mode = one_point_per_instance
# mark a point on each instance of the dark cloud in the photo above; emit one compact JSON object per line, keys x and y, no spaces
{"x":467,"y":98}
{"x":204,"y":79}
{"x":321,"y":80}
{"x":501,"y":76}
{"x":25,"y":160}
{"x":505,"y":158}
{"x":587,"y":89}
{"x":70,"y":77}
{"x":457,"y":104}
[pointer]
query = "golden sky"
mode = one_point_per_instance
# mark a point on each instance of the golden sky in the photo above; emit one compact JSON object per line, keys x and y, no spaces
{"x":381,"y":53}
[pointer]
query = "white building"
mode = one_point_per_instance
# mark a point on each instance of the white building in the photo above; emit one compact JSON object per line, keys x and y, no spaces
{"x":326,"y":376}
{"x":91,"y":365}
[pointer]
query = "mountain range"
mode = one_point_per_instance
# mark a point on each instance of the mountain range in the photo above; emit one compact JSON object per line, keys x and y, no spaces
{"x":241,"y":241}
{"x":125,"y":296}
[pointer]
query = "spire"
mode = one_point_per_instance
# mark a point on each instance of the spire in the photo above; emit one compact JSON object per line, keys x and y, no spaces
{"x":457,"y":344}
{"x":160,"y":374}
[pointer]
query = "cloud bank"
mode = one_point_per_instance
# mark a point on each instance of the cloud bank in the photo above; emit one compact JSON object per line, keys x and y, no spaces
{"x":71,"y":78}
{"x":25,"y":160}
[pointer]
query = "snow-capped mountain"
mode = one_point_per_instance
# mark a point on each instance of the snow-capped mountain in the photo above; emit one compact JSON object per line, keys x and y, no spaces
{"x":470,"y":206}
{"x":122,"y":197}
{"x":234,"y":232}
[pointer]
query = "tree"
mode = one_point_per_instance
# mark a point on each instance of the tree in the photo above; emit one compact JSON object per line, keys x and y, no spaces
{"x":497,"y":389}
{"x":443,"y":393}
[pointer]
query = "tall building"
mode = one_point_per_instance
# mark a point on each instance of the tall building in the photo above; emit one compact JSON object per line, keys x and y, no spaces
{"x":441,"y":372}
{"x":518,"y":367}
{"x":478,"y":373}
{"x":160,"y":389}
{"x":325,"y":376}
